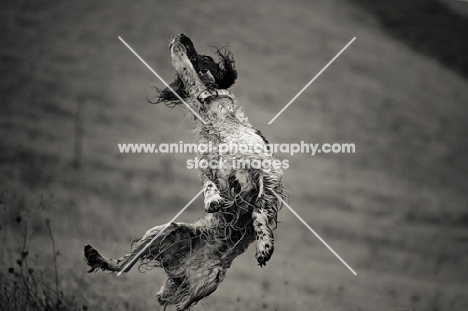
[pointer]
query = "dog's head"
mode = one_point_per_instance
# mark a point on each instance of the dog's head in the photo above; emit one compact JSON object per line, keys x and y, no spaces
{"x":186,"y":61}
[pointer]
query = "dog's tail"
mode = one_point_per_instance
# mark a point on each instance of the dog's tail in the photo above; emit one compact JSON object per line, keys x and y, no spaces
{"x":168,"y":249}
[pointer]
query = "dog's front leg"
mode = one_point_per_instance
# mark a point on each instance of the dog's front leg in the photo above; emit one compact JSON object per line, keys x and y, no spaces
{"x":265,"y":217}
{"x":213,"y":200}
{"x":264,"y":233}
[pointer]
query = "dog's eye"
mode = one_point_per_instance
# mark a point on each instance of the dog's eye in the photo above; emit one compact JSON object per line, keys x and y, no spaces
{"x":209,"y":58}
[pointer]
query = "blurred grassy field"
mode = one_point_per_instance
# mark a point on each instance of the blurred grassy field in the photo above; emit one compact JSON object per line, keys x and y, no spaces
{"x":396,"y":210}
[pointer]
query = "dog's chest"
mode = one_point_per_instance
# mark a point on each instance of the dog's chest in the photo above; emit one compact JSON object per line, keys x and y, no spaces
{"x":219,"y":109}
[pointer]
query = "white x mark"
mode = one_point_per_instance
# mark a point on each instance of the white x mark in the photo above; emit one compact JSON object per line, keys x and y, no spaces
{"x":167,"y":85}
{"x":310,"y":82}
{"x":315,"y":233}
{"x":159,"y":233}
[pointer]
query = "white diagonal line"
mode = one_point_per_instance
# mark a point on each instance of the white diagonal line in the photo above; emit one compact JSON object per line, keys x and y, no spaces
{"x":167,"y":85}
{"x":315,"y":233}
{"x":159,"y":233}
{"x":310,"y":82}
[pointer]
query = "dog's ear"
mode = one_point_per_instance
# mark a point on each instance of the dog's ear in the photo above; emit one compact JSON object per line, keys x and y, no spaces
{"x":227,"y":73}
{"x":228,"y":78}
{"x":167,"y":96}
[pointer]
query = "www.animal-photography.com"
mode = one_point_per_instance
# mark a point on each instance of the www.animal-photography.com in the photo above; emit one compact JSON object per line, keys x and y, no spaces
{"x":234,"y":155}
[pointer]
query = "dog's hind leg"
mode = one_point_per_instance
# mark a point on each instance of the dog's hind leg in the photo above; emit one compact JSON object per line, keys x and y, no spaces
{"x":203,"y":280}
{"x":169,"y":247}
{"x":97,"y":261}
{"x":166,"y":292}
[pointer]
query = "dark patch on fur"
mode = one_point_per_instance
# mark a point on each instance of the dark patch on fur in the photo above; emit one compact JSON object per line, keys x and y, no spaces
{"x":223,"y":72}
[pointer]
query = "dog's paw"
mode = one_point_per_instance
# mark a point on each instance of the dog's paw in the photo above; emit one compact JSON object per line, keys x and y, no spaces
{"x":184,"y":305}
{"x":264,"y":252}
{"x":160,"y":299}
{"x":214,"y":203}
{"x":94,"y":259}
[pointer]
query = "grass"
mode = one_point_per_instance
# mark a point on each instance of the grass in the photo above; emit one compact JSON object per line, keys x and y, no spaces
{"x":395,"y":210}
{"x":33,"y":281}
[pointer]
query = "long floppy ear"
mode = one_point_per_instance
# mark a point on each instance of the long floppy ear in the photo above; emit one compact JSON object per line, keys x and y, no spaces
{"x":227,"y":73}
{"x":167,"y":96}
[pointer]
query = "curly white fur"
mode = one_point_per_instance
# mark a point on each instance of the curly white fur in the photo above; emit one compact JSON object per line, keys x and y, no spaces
{"x":241,"y":205}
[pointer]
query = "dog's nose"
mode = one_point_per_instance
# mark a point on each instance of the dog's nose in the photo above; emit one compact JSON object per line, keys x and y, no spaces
{"x":178,"y":38}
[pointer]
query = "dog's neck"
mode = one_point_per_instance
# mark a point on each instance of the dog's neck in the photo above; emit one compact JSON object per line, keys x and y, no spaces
{"x":222,"y":116}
